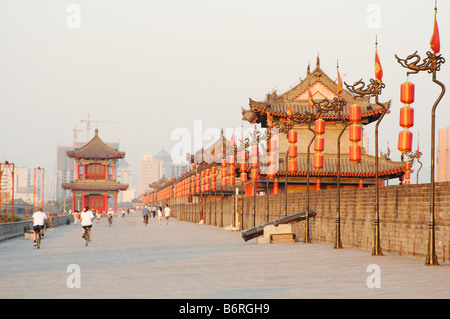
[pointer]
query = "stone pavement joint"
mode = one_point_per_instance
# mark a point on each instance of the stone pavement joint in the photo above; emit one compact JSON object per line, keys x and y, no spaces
{"x":191,"y":261}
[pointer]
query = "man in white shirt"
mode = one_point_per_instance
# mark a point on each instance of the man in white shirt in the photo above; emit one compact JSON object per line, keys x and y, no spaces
{"x":39,"y":219}
{"x":86,"y":221}
{"x":167,"y":213}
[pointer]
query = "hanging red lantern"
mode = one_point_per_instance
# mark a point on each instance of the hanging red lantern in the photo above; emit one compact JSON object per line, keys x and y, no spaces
{"x":271,"y":171}
{"x":224,"y":172}
{"x":406,"y":116}
{"x":292,"y":166}
{"x":224,"y":182}
{"x":224,"y":163}
{"x":231,"y":170}
{"x":213,"y":186}
{"x":292,"y":151}
{"x":407,"y":92}
{"x":355,"y":153}
{"x":243,"y":177}
{"x":232,"y":180}
{"x":275,"y":188}
{"x":355,"y":133}
{"x":319,"y":127}
{"x":292,"y":136}
{"x":354,"y":113}
{"x":318,"y":161}
{"x":405,"y":141}
{"x":254,"y":174}
{"x":319,"y":144}
{"x":407,"y":165}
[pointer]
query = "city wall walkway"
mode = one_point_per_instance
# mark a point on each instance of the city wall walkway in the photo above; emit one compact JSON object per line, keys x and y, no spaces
{"x":192,"y":261}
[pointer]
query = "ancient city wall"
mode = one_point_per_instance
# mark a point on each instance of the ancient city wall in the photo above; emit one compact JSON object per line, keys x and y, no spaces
{"x":404,"y":216}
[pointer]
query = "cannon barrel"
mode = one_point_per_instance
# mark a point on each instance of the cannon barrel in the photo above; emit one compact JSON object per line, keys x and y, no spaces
{"x":259,"y":230}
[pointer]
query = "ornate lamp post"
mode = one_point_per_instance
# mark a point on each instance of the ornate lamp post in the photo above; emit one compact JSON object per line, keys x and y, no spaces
{"x":431,"y":64}
{"x":373,"y":89}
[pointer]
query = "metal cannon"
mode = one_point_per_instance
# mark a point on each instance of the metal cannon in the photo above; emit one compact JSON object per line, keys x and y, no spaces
{"x":291,"y":219}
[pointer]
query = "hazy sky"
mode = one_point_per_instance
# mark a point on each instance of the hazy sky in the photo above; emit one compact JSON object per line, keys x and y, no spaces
{"x":146,"y":68}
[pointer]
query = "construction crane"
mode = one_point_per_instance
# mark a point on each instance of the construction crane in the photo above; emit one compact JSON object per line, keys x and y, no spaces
{"x":75,"y":135}
{"x":88,"y":125}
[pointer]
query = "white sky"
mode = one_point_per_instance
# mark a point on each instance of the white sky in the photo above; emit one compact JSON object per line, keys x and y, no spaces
{"x":151,"y":67}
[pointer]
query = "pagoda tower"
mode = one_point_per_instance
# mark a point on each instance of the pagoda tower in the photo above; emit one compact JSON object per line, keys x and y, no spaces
{"x":319,"y":86}
{"x":94,"y":175}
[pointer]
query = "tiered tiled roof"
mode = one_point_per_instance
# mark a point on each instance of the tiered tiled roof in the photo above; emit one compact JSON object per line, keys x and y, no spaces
{"x":96,"y":149}
{"x":321,"y":87}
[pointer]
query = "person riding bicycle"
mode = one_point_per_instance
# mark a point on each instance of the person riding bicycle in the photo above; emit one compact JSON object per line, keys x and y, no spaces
{"x":86,"y":221}
{"x":145,"y":214}
{"x":39,"y":219}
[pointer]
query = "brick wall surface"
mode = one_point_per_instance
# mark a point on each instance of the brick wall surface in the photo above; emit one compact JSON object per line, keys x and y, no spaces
{"x":404,"y":216}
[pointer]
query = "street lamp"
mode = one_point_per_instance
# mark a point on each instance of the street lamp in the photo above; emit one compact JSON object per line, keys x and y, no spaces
{"x":374,"y":89}
{"x":431,"y":64}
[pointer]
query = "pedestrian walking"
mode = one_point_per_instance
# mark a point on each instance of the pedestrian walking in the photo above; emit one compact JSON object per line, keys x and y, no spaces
{"x":154,"y":211}
{"x":167,"y":213}
{"x":159,"y":214}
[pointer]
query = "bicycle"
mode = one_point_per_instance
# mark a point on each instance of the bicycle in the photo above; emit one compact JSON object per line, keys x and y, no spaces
{"x":87,"y":234}
{"x":38,"y":238}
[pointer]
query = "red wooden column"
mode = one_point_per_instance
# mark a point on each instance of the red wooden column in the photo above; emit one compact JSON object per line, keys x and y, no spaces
{"x":83,"y":202}
{"x":105,"y":204}
{"x":77,"y":172}
{"x":73,"y":203}
{"x":106,"y":171}
{"x":115,"y":201}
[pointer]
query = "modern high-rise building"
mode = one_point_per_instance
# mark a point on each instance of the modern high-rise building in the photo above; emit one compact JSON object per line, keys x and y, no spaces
{"x":443,"y":156}
{"x":123,"y":172}
{"x":150,"y":170}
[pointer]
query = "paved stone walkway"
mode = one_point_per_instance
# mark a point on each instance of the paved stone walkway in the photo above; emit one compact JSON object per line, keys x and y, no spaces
{"x":191,"y":261}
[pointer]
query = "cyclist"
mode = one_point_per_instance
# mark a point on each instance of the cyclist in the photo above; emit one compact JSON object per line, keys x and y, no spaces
{"x":86,"y":221}
{"x":39,"y":219}
{"x":145,"y":214}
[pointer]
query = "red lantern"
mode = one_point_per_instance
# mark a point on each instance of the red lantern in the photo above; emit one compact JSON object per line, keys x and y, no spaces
{"x":292,"y":151}
{"x":405,"y":141}
{"x":224,"y":163}
{"x":243,"y":177}
{"x":318,"y":161}
{"x":243,"y":167}
{"x":271,"y":171}
{"x":213,"y":170}
{"x":355,"y":153}
{"x":319,"y":144}
{"x":406,"y":116}
{"x":255,"y":162}
{"x":355,"y":133}
{"x":319,"y":126}
{"x":407,"y":93}
{"x":231,"y":160}
{"x":292,"y":136}
{"x":354,"y":113}
{"x":232,"y":180}
{"x":224,"y":182}
{"x":254,"y":174}
{"x":407,"y":165}
{"x":407,"y":174}
{"x":231,"y":170}
{"x":293,"y":165}
{"x":224,"y":173}
{"x":275,"y":188}
{"x":213,"y":186}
